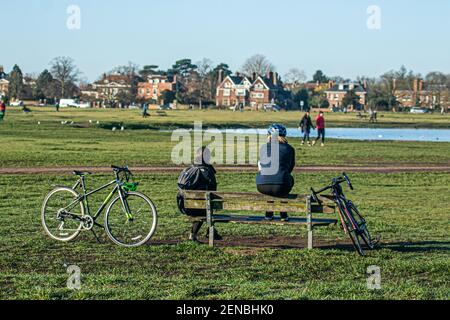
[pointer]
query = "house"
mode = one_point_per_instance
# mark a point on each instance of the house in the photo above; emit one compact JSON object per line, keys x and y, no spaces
{"x":109,"y":86}
{"x":4,"y":83}
{"x":254,"y":92}
{"x":335,"y":95}
{"x":155,"y":86}
{"x":422,"y":95}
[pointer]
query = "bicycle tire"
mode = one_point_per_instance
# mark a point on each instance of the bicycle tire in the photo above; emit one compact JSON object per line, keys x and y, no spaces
{"x":112,"y":233}
{"x":45,"y":212}
{"x":362,"y":224}
{"x":351,"y":231}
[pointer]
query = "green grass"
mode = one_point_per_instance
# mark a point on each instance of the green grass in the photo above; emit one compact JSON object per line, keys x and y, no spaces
{"x":26,"y":144}
{"x":403,"y":208}
{"x":221,"y":118}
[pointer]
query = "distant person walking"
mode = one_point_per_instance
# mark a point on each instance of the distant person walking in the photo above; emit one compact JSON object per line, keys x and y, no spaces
{"x":320,"y":125}
{"x":144,"y":110}
{"x":306,"y":125}
{"x":2,"y":110}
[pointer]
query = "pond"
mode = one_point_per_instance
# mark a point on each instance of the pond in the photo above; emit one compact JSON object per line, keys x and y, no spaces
{"x":364,"y":134}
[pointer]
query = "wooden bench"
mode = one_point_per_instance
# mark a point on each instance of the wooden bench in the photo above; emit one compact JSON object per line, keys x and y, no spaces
{"x":255,"y":202}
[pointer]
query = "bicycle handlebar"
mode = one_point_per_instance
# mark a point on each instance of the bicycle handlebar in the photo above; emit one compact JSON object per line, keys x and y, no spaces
{"x":336,"y":181}
{"x":120,"y":169}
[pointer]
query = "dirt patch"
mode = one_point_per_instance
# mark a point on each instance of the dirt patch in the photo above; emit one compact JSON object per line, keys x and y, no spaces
{"x":168,"y":169}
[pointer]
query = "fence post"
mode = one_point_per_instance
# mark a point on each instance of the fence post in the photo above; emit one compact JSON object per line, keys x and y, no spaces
{"x":209,"y":219}
{"x":309,"y":223}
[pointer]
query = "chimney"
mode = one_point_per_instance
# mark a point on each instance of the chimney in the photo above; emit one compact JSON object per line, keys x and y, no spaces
{"x":275,"y":79}
{"x":220,"y":76}
{"x":421,"y":85}
{"x":254,"y":76}
{"x":271,"y":76}
{"x":365,"y":85}
{"x":394,"y":84}
{"x":415,"y":86}
{"x":238,"y":74}
{"x":1,"y":69}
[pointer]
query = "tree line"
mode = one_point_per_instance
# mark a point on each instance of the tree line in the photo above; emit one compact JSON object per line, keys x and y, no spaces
{"x":197,"y":82}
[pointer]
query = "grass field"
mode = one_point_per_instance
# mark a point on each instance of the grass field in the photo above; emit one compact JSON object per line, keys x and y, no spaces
{"x":409,"y":210}
{"x":27,"y":144}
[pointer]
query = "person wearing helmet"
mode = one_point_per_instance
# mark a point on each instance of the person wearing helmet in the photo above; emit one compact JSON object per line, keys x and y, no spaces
{"x":275,"y":169}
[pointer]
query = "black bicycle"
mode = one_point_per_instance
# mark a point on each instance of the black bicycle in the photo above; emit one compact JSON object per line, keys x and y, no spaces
{"x":352,"y":221}
{"x":130,"y":218}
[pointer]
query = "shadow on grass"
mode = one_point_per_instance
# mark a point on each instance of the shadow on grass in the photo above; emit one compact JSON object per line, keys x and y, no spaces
{"x":423,"y":246}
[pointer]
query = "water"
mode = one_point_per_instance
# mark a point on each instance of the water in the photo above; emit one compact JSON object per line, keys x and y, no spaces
{"x":368,"y":134}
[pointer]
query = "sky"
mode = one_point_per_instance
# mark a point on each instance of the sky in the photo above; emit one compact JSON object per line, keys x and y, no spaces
{"x":330,"y":35}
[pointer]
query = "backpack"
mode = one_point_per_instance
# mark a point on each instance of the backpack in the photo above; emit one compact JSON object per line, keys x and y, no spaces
{"x":196,"y":178}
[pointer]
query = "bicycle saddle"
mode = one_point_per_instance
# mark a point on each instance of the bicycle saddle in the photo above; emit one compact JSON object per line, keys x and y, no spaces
{"x":81,"y":173}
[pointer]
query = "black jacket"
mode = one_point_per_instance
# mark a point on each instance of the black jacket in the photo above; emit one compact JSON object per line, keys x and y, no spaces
{"x":279,"y":174}
{"x":306,"y":123}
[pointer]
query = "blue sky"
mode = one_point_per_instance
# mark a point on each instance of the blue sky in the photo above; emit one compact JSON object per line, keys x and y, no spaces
{"x":323,"y":34}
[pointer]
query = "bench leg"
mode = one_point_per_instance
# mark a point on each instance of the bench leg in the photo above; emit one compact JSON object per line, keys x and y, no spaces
{"x":309,"y":224}
{"x":209,"y":220}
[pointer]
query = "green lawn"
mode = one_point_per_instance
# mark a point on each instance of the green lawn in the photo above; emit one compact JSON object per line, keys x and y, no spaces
{"x":25,"y":143}
{"x":409,"y":211}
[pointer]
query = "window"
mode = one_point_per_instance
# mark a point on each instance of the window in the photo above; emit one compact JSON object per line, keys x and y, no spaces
{"x":227,"y":92}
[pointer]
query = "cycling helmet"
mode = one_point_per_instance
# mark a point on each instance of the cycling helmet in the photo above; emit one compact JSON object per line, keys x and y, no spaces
{"x":278,"y":129}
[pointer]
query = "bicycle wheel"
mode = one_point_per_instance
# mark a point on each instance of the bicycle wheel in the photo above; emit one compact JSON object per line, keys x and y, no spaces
{"x":59,"y":214}
{"x":362,"y":225}
{"x":351,"y":229}
{"x":133,"y":229}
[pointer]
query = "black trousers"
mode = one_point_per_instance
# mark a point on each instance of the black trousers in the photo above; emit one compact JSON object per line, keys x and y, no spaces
{"x":321,"y":134}
{"x":278,"y":191}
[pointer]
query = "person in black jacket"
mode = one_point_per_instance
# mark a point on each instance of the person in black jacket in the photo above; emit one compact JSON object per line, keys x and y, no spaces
{"x":275,"y":169}
{"x":200,"y":176}
{"x":306,"y":125}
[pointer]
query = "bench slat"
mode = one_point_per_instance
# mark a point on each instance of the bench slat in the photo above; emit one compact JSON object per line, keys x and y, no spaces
{"x":262,"y":206}
{"x":261,"y":220}
{"x":294,"y":198}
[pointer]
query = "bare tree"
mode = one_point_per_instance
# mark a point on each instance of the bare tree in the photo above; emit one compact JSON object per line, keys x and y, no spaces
{"x":295,"y":76}
{"x":65,"y":71}
{"x":258,"y":64}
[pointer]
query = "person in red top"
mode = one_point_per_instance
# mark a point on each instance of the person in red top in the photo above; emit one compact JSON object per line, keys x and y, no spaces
{"x":2,"y":110}
{"x":320,"y":125}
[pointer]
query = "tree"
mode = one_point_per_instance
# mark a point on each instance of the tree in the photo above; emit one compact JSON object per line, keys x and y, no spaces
{"x":148,"y":70}
{"x":351,"y":99}
{"x":15,"y":83}
{"x":167,"y":96}
{"x":295,"y":76}
{"x":64,"y":70}
{"x":320,"y":77}
{"x":45,"y":86}
{"x":184,"y":68}
{"x":302,"y":96}
{"x":258,"y":64}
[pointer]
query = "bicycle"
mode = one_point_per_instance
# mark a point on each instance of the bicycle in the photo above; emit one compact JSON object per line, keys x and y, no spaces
{"x":130,"y":218}
{"x":352,"y":221}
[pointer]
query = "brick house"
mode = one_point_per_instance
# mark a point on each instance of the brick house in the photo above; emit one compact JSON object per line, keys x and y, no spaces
{"x":241,"y":90}
{"x":4,"y":83}
{"x":422,"y":95}
{"x":154,"y":86}
{"x":335,"y":95}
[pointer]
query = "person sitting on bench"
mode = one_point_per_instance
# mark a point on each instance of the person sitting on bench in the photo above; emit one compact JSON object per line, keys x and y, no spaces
{"x":274,"y":177}
{"x":200,"y":176}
